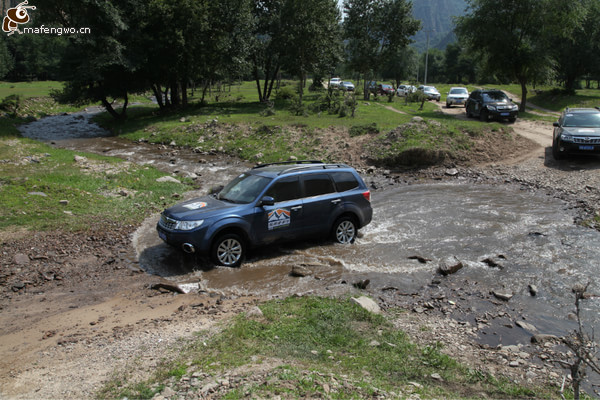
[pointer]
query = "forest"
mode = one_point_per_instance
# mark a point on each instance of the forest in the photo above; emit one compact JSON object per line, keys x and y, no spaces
{"x":169,"y":47}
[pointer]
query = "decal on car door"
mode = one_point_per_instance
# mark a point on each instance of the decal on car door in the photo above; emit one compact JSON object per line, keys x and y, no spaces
{"x":279,"y":218}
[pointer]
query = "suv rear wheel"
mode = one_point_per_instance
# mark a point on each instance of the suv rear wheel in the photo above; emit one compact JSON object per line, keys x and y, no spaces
{"x":344,"y":230}
{"x":228,"y":250}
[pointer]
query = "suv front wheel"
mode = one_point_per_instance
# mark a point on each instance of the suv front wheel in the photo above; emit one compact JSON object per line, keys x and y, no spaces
{"x":228,"y":250}
{"x":344,"y":230}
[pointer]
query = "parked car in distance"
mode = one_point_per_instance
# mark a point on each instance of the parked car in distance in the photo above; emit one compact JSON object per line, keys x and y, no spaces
{"x":347,"y":86}
{"x":373,"y":87}
{"x":491,"y":103}
{"x":270,"y":203}
{"x":457,"y":95}
{"x":385,"y":90}
{"x":404,"y":90}
{"x":431,"y":92}
{"x":577,"y":131}
{"x":335,"y":83}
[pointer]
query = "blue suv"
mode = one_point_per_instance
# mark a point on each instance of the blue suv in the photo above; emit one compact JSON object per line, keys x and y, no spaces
{"x":269,"y":203}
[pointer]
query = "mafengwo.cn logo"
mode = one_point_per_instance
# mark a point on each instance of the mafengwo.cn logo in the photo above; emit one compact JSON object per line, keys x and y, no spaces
{"x":18,"y":15}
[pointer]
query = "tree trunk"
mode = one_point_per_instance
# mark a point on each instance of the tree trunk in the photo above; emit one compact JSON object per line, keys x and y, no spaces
{"x":523,"y":95}
{"x":124,"y":108}
{"x":184,"y":97}
{"x":275,"y":75}
{"x":166,"y":94}
{"x":158,"y":95}
{"x":110,"y":109}
{"x":175,"y":95}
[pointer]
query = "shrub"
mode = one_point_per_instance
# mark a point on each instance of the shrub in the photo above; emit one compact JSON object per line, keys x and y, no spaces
{"x":11,"y":104}
{"x":358,"y":130}
{"x":285,"y":93}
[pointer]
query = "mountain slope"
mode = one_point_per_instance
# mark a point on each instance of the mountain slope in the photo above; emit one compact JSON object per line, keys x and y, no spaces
{"x":436,"y":17}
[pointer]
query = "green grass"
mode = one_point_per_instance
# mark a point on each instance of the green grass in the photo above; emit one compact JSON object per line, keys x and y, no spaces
{"x":311,"y":342}
{"x":36,"y":178}
{"x":29,"y":89}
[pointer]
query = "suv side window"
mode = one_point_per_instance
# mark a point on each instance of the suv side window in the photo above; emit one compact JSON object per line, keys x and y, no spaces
{"x":285,"y":189}
{"x":317,"y":184}
{"x":344,"y":181}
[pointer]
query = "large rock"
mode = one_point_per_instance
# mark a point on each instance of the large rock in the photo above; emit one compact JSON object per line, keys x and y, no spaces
{"x":449,"y":266}
{"x":21,"y":259}
{"x":527,"y":326}
{"x":502,"y":295}
{"x":543,"y":338}
{"x":301,"y":271}
{"x":368,"y":304}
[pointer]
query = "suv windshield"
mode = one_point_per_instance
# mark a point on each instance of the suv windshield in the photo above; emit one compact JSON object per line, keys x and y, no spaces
{"x":494,"y":96}
{"x":243,"y":189}
{"x":587,"y":120}
{"x":459,"y":91}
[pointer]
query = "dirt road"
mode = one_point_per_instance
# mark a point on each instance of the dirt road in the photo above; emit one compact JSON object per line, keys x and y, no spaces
{"x":75,"y":309}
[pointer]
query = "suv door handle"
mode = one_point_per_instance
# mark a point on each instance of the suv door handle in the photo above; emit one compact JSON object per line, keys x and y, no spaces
{"x":336,"y":201}
{"x":296,"y":208}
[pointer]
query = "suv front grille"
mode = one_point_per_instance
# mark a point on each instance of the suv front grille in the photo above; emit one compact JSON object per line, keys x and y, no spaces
{"x":586,"y":140}
{"x":167,"y":223}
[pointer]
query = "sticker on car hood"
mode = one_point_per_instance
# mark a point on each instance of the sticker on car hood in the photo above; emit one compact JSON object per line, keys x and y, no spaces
{"x":279,"y":218}
{"x":195,"y":205}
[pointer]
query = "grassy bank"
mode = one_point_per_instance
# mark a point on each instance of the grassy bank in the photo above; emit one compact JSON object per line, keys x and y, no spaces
{"x":45,"y":188}
{"x":237,"y":125}
{"x":314,"y":347}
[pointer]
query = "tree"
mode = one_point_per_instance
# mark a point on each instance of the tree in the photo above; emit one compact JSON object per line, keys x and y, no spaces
{"x":459,"y":66}
{"x":576,"y":53}
{"x":402,"y":65}
{"x":375,"y":30}
{"x":97,"y":66}
{"x":295,"y":35}
{"x":6,"y":60}
{"x":161,"y":45}
{"x":186,"y":41}
{"x":512,"y":37}
{"x":311,"y":37}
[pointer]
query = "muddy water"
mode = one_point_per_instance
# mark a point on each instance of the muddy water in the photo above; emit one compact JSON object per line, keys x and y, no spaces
{"x":532,"y":237}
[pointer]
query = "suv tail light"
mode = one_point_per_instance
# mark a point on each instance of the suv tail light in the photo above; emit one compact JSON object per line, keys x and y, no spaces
{"x":367,"y":195}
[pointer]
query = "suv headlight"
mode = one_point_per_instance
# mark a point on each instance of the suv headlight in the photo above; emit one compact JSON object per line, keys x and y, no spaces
{"x":566,"y":138}
{"x":492,"y":108}
{"x":515,"y":107}
{"x":188,"y":225}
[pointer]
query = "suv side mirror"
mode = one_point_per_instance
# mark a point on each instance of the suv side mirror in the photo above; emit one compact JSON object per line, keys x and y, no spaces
{"x":555,"y":124}
{"x":267,"y":201}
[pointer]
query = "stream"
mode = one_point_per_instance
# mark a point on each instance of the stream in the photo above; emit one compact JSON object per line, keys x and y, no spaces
{"x":507,"y":239}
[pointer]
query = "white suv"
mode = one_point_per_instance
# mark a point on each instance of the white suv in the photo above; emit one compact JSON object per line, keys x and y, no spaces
{"x":335,"y":83}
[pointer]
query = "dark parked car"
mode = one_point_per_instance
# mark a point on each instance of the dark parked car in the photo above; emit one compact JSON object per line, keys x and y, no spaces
{"x":269,"y":203}
{"x":577,"y":131}
{"x":492,"y":103}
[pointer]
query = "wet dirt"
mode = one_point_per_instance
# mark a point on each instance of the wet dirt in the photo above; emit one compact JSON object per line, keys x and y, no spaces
{"x":510,"y":224}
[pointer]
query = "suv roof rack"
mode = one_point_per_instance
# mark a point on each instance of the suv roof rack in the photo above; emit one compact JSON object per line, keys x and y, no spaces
{"x":322,"y":166}
{"x":289,"y":163}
